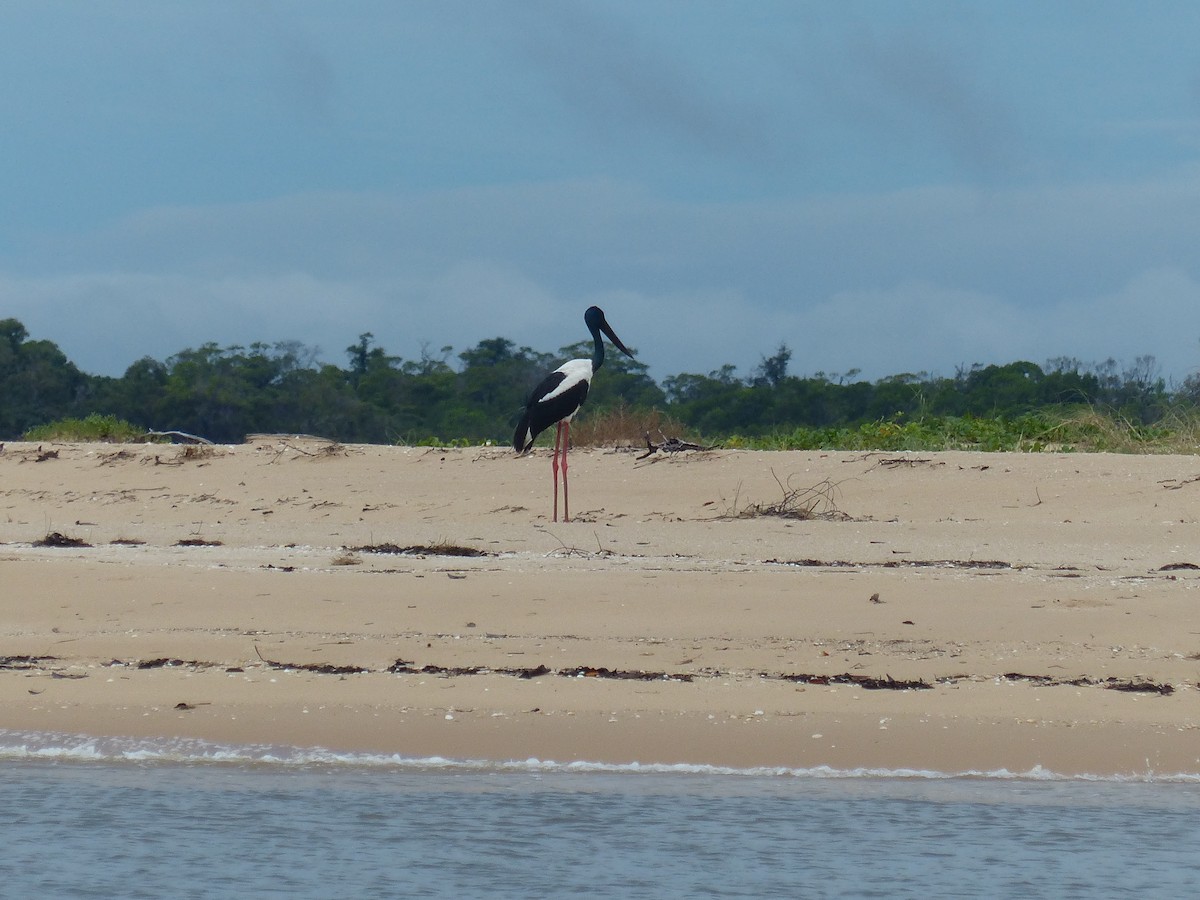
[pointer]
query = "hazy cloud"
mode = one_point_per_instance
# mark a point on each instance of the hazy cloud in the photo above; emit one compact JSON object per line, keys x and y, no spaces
{"x":624,"y":85}
{"x":917,"y":280}
{"x":885,"y":187}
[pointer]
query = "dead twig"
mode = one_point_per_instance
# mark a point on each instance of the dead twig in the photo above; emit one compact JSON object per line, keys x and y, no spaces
{"x":325,"y":451}
{"x":1174,"y":484}
{"x":818,"y":501}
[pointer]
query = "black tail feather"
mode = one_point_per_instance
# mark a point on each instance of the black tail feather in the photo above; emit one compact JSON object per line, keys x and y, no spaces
{"x":522,"y":438}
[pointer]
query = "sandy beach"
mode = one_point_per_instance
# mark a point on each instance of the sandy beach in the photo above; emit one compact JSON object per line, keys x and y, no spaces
{"x":947,"y":611}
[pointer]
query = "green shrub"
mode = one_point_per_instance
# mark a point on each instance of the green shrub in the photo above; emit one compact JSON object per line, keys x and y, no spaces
{"x":1078,"y":431}
{"x":93,"y":428}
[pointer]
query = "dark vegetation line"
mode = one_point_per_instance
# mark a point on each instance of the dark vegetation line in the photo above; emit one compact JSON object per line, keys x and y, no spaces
{"x":225,"y":393}
{"x":406,"y":667}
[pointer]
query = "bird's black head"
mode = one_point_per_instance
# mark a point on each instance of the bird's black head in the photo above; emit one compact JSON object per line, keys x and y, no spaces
{"x":595,"y":321}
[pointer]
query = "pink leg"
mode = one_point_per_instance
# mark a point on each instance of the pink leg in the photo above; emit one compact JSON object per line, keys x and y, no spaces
{"x":554,"y":466}
{"x":566,"y":427}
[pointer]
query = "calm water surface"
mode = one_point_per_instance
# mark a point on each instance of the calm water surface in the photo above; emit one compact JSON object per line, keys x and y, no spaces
{"x":156,"y":827}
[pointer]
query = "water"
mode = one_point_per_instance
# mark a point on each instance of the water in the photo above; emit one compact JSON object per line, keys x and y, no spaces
{"x":142,"y":819}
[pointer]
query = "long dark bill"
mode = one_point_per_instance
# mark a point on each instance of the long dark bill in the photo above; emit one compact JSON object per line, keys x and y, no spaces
{"x":612,"y":336}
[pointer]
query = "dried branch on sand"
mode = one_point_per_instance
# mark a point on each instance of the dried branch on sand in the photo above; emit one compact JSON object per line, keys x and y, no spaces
{"x":670,"y":445}
{"x":818,"y":501}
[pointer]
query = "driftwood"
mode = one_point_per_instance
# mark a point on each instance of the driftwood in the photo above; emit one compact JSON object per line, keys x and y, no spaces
{"x":670,"y":445}
{"x":181,"y":437}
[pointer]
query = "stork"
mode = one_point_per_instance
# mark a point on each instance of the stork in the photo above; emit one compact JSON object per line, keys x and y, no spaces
{"x":558,"y":397}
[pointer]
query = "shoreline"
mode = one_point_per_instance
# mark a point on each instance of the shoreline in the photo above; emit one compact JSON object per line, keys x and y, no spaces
{"x":1040,"y":604}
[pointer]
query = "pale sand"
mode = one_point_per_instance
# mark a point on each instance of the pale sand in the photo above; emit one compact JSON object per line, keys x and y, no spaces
{"x":654,"y":576}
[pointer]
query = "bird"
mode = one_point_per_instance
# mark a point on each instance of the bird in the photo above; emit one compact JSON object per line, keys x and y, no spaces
{"x":557,"y":399}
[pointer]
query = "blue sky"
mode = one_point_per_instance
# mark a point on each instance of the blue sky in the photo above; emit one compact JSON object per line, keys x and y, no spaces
{"x":884,"y":186}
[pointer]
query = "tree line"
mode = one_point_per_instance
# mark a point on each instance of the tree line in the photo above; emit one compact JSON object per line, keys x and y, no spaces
{"x":225,"y":393}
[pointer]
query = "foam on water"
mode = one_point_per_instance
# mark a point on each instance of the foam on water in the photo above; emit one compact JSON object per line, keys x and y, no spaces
{"x":58,"y":746}
{"x":107,"y":817}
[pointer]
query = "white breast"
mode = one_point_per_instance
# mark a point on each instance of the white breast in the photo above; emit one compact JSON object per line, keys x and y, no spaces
{"x":574,"y":371}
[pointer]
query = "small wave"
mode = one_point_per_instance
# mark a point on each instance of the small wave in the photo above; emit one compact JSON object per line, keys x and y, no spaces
{"x":64,"y":747}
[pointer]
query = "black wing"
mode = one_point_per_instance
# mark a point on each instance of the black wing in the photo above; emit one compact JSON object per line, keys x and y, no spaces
{"x":544,"y":411}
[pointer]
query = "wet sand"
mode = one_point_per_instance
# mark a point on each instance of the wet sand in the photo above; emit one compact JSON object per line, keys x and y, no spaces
{"x":943,"y":611}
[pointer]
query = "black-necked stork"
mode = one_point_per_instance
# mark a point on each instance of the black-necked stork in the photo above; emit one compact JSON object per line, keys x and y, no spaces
{"x":558,"y":397}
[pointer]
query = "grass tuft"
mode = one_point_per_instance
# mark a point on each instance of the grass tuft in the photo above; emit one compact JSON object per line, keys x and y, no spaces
{"x":625,"y":426}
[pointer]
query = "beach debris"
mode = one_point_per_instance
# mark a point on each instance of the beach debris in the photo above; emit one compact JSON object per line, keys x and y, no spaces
{"x":896,"y":563}
{"x":1178,"y":567}
{"x":189,"y":453}
{"x":1174,"y":484}
{"x":622,"y":675}
{"x":164,"y":662}
{"x":868,"y":682}
{"x":671,"y":445}
{"x":160,"y":663}
{"x":318,"y":668}
{"x":180,"y":437}
{"x":894,"y":462}
{"x":1112,"y":683}
{"x":563,"y":550}
{"x":405,"y":667}
{"x":108,"y":459}
{"x":818,"y":501}
{"x":442,"y":549}
{"x":58,"y":539}
{"x":1138,"y":687}
{"x":25,"y":662}
{"x":329,"y":448}
{"x":197,"y":542}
